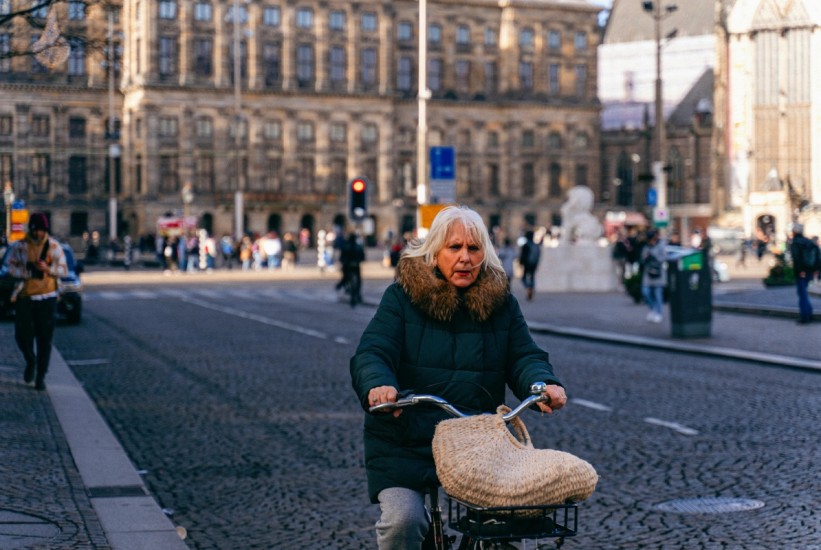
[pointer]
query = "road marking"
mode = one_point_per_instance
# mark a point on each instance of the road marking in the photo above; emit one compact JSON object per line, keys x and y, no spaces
{"x":341,"y":340}
{"x":86,"y":362}
{"x":672,"y":425}
{"x":591,"y":405}
{"x":258,"y":318}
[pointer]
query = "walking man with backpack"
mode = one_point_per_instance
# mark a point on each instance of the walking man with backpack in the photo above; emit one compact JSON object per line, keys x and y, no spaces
{"x":529,"y":259}
{"x":806,"y":265}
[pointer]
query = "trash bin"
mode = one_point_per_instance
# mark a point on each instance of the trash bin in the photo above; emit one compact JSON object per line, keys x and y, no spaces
{"x":690,"y":292}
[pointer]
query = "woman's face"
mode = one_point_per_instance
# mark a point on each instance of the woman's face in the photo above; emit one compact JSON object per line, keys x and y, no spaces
{"x":460,"y":258}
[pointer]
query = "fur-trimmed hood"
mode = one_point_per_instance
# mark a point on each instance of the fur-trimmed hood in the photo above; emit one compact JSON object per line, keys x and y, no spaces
{"x":429,"y":291}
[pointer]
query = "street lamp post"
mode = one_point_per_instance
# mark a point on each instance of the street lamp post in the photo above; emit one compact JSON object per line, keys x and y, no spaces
{"x":658,"y":13}
{"x":422,"y":123}
{"x":239,"y":204}
{"x":8,"y":199}
{"x":113,"y":147}
{"x":187,"y":194}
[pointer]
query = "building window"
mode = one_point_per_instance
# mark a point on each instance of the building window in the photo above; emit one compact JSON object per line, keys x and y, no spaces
{"x":528,"y":180}
{"x":582,"y":140}
{"x":336,"y":66}
{"x":271,"y":16}
{"x":580,"y":41}
{"x":202,"y":11}
{"x":369,"y":22}
{"x":77,"y":174}
{"x":404,"y":31}
{"x":463,"y":35}
{"x":492,"y":140}
{"x":168,"y":56}
{"x":581,"y":80}
{"x":435,"y":74}
{"x":528,"y":139}
{"x":553,"y":85}
{"x":526,"y":76}
{"x":271,"y":57}
{"x":554,"y":40}
{"x":169,"y":180}
{"x":78,"y":223}
{"x":305,"y":132}
{"x":307,"y":174}
{"x":243,"y":60}
{"x":404,"y":74}
{"x":204,"y":127}
{"x":203,"y":56}
{"x":304,"y":18}
{"x":369,"y":134}
{"x":493,"y":179}
{"x":205,"y":178}
{"x":168,"y":9}
{"x":6,"y":125}
{"x":581,"y":175}
{"x":462,"y":70}
{"x":490,"y":77}
{"x":338,"y":132}
{"x":40,"y":170}
{"x":39,"y":9}
{"x":305,"y":64}
{"x":555,"y":177}
{"x":273,"y":178}
{"x":168,"y":126}
{"x":77,"y":57}
{"x":76,"y":127}
{"x":76,"y":10}
{"x":526,"y":39}
{"x":337,"y":21}
{"x":490,"y":36}
{"x":368,"y":68}
{"x":40,"y":126}
{"x":5,"y":7}
{"x":554,"y":140}
{"x":5,"y":49}
{"x":434,"y":35}
{"x":272,"y":130}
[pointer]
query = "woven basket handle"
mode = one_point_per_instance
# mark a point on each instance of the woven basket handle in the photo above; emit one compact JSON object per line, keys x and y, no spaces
{"x":518,"y":426}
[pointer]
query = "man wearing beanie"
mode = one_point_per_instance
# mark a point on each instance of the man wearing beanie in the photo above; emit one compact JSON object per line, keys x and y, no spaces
{"x":39,"y":262}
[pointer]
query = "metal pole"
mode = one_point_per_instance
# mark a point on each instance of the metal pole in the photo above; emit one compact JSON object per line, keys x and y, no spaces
{"x":422,"y":122}
{"x":661,"y":181}
{"x":238,"y":198}
{"x":112,"y":148}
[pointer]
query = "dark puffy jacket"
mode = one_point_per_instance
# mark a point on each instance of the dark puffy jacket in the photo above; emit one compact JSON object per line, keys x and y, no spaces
{"x":429,"y":337}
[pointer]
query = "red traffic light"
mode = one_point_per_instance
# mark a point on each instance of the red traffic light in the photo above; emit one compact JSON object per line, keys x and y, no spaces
{"x":358,"y":186}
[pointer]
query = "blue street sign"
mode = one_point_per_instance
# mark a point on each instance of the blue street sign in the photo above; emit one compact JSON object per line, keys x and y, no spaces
{"x":442,"y":163}
{"x":652,"y":197}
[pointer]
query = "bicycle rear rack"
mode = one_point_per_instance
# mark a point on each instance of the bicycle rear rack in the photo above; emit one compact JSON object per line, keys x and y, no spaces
{"x":513,"y":522}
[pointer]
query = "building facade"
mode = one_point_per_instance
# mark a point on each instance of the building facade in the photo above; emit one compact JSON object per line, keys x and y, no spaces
{"x":283,"y":110}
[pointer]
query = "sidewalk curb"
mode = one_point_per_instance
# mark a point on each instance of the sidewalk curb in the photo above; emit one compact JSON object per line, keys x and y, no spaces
{"x":130,"y":517}
{"x":679,"y":347}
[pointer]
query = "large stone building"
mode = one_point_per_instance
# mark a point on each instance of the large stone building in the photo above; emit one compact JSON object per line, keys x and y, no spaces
{"x":772,"y":131}
{"x":327,"y":92}
{"x":627,"y":77}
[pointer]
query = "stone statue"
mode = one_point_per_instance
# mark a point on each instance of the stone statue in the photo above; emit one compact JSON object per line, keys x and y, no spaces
{"x":579,"y":225}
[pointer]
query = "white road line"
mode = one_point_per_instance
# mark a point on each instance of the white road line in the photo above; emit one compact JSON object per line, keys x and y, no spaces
{"x":341,"y":340}
{"x":110,"y":295}
{"x":672,"y":425}
{"x":85,"y":362}
{"x":591,"y":405}
{"x":145,"y":294}
{"x":257,"y":318}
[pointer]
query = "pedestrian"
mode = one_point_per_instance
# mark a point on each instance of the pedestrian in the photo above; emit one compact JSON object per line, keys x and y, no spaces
{"x":507,"y":255}
{"x":654,"y":275}
{"x":39,"y":261}
{"x":529,"y":259}
{"x":227,"y":251}
{"x":448,"y":322}
{"x":272,"y":250}
{"x":806,"y":266}
{"x":289,"y":252}
{"x":351,"y":258}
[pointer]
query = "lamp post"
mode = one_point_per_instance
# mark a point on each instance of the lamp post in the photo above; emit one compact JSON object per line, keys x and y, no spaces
{"x":187,"y":194}
{"x":660,"y":214}
{"x":113,"y":146}
{"x":239,"y":204}
{"x":8,"y":199}
{"x":422,"y":122}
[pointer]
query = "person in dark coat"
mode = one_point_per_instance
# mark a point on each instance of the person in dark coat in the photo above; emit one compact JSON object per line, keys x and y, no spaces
{"x":806,"y":264}
{"x":449,"y":326}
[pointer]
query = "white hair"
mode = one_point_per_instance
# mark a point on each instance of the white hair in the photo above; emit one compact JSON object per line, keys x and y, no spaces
{"x":439,"y":229}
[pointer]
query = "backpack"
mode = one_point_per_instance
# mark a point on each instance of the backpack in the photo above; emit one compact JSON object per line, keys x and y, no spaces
{"x":533,"y":254}
{"x":652,"y":266}
{"x":811,"y":257}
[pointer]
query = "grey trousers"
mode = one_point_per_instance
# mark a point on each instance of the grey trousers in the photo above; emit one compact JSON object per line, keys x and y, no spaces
{"x":404,"y":521}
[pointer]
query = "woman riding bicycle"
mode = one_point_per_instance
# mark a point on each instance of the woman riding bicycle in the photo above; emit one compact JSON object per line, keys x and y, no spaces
{"x":448,"y":325}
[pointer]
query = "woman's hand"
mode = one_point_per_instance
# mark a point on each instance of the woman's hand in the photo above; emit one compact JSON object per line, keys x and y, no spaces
{"x":384,"y":394}
{"x":557,"y":399}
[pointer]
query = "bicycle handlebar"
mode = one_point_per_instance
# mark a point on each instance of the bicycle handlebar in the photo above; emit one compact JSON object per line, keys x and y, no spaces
{"x":536,"y":389}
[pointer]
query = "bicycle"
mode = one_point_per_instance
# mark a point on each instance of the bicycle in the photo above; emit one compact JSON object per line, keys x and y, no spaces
{"x":491,"y":527}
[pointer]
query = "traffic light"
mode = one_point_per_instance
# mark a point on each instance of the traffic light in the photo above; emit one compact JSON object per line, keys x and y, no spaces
{"x":358,"y":199}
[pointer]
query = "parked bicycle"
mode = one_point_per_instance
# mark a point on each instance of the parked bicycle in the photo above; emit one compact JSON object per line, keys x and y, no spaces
{"x":492,"y":527}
